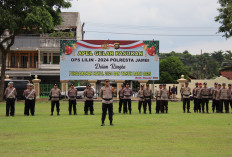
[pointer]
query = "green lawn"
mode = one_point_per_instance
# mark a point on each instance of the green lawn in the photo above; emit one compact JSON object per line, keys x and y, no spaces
{"x":173,"y":134}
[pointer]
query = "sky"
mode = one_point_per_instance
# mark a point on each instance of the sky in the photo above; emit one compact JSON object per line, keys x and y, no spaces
{"x":168,"y":21}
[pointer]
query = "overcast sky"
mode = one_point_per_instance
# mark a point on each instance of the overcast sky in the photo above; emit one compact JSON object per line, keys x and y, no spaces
{"x":154,"y":19}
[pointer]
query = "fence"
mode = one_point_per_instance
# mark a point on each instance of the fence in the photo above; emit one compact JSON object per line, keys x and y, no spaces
{"x":45,"y":89}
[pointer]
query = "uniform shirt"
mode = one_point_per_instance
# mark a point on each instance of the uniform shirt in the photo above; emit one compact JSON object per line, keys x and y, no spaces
{"x":147,"y":92}
{"x":214,"y":91}
{"x":158,"y":94}
{"x":106,"y":93}
{"x":72,"y":93}
{"x":88,"y":94}
{"x":9,"y":93}
{"x":229,"y":94}
{"x":164,"y":94}
{"x":55,"y":94}
{"x":223,"y":93}
{"x":127,"y":92}
{"x":195,"y":92}
{"x":140,"y":95}
{"x":198,"y":93}
{"x":217,"y":94}
{"x":204,"y":92}
{"x":120,"y":93}
{"x":186,"y":91}
{"x":29,"y":94}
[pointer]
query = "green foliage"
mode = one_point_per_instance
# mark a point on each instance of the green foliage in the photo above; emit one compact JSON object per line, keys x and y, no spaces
{"x":225,"y":17}
{"x":62,"y":34}
{"x":138,"y":135}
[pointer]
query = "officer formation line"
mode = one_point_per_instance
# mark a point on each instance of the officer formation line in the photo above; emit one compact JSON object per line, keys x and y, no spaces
{"x":221,"y":96}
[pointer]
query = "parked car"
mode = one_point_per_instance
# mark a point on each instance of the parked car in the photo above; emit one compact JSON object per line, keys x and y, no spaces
{"x":80,"y":91}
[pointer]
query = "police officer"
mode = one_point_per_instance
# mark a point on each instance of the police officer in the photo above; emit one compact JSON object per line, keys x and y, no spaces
{"x":106,"y":93}
{"x":214,"y":94}
{"x":164,"y":99}
{"x":127,"y":93}
{"x":141,"y":99}
{"x":55,"y":99}
{"x":158,"y":97}
{"x":195,"y":97}
{"x":198,"y":96}
{"x":223,"y":93}
{"x":217,"y":99}
{"x":121,"y":98}
{"x":30,"y":96}
{"x":204,"y":92}
{"x":186,"y":92}
{"x":72,"y":94}
{"x":10,"y":94}
{"x":26,"y":107}
{"x":229,"y":95}
{"x":147,"y":95}
{"x":88,"y":94}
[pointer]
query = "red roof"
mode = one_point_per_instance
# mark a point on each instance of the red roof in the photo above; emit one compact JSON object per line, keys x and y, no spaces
{"x":227,"y":74}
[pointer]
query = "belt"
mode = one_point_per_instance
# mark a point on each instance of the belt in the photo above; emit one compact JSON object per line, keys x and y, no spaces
{"x":72,"y":97}
{"x":55,"y":97}
{"x":89,"y":97}
{"x":205,"y":95}
{"x":30,"y":99}
{"x":106,"y":99}
{"x":127,"y":95}
{"x":147,"y":96}
{"x":185,"y":95}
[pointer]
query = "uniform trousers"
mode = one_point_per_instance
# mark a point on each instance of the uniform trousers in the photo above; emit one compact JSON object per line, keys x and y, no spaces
{"x":120,"y":105}
{"x":10,"y":106}
{"x":72,"y":105}
{"x":57,"y":103}
{"x":186,"y":101}
{"x":125,"y":102}
{"x":195,"y":104}
{"x":164,"y":106}
{"x":199,"y":102}
{"x":147,"y":102}
{"x":226,"y":104}
{"x":205,"y":101}
{"x":215,"y":105}
{"x":157,"y":106}
{"x":106,"y":107}
{"x":88,"y":106}
{"x":140,"y":104}
{"x":26,"y":108}
{"x":29,"y":107}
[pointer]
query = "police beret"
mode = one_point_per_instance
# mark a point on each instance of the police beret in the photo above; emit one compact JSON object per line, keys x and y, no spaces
{"x":215,"y":83}
{"x":196,"y":83}
{"x":219,"y":84}
{"x":205,"y":83}
{"x":200,"y":83}
{"x":223,"y":84}
{"x":89,"y":85}
{"x":107,"y":80}
{"x":142,"y":85}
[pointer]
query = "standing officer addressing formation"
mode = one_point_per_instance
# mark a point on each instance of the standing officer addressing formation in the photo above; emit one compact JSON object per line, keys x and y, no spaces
{"x":121,"y":99}
{"x":223,"y":94}
{"x":88,"y":94}
{"x":186,"y":92}
{"x":230,"y":95}
{"x":30,"y":97}
{"x":55,"y":99}
{"x":214,"y":96}
{"x":72,"y":94}
{"x":205,"y":92}
{"x":147,"y":92}
{"x":141,"y":100}
{"x":10,"y":95}
{"x":195,"y":97}
{"x":158,"y":98}
{"x":106,"y":93}
{"x":127,"y":93}
{"x":164,"y":99}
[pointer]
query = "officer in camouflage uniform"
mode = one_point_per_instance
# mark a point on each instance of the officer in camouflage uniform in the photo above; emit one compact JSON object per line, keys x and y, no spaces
{"x":223,"y":93}
{"x":26,"y":107}
{"x":141,"y":99}
{"x":186,"y":92}
{"x":10,"y":94}
{"x":54,"y":95}
{"x":198,"y":96}
{"x":127,"y":93}
{"x":72,"y":94}
{"x":164,"y":99}
{"x":158,"y":97}
{"x":195,"y":96}
{"x":121,"y":99}
{"x":30,"y":96}
{"x":88,"y":94}
{"x":147,"y":92}
{"x":205,"y":92}
{"x":106,"y":93}
{"x":214,"y":94}
{"x":229,"y":95}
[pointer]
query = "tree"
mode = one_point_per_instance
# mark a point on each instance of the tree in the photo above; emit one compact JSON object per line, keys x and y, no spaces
{"x":225,"y":17}
{"x":22,"y":15}
{"x":171,"y":68}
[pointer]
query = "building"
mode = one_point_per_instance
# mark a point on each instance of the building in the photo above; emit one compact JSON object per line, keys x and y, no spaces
{"x":39,"y":54}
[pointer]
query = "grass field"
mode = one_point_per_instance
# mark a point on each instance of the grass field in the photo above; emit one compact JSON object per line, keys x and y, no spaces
{"x":173,"y":134}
